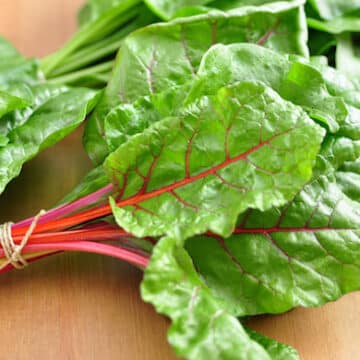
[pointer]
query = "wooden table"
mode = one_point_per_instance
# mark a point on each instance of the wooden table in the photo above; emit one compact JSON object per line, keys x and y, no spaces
{"x":78,"y":306}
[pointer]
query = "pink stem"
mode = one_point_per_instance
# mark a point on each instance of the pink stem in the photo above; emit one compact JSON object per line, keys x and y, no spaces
{"x":67,"y":209}
{"x":90,"y":247}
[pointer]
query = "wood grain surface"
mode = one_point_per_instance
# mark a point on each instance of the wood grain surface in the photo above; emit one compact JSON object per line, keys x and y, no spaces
{"x":76,"y":306}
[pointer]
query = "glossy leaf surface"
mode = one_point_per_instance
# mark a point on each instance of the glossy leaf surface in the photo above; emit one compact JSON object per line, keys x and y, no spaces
{"x":201,"y":328}
{"x":167,"y":55}
{"x":54,"y":114}
{"x":244,"y":147}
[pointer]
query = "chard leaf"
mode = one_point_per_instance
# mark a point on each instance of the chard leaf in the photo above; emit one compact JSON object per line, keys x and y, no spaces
{"x":348,"y":57}
{"x":201,"y":328}
{"x":16,"y":74}
{"x":295,"y":81}
{"x":93,"y":9}
{"x":231,"y":4}
{"x":290,"y":77}
{"x":348,"y":179}
{"x":166,"y":9}
{"x":15,"y":97}
{"x":54,"y":114}
{"x":303,"y":254}
{"x":275,"y":349}
{"x":127,"y":120}
{"x":167,"y":55}
{"x":244,"y":147}
{"x":328,"y":9}
{"x":336,"y":25}
{"x":3,"y":140}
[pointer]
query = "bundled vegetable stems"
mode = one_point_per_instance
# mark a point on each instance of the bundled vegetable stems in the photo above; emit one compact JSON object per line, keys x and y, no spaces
{"x":88,"y":57}
{"x":227,"y":160}
{"x":52,"y":233}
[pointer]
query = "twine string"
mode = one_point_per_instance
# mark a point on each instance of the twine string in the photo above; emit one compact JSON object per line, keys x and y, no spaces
{"x":12,"y":251}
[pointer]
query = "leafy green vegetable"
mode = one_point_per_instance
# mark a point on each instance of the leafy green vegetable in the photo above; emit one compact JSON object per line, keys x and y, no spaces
{"x":201,"y":321}
{"x":276,"y":350}
{"x":237,"y":142}
{"x":329,"y":9}
{"x":16,"y":74}
{"x":54,"y":114}
{"x":104,"y":26}
{"x":163,"y":56}
{"x":166,"y":9}
{"x":233,"y":157}
{"x":336,"y":25}
{"x":295,"y":81}
{"x":348,"y":58}
{"x":303,"y":254}
{"x":201,"y":328}
{"x":93,"y":9}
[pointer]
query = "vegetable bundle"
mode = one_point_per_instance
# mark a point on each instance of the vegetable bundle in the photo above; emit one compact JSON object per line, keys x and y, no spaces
{"x":227,"y":159}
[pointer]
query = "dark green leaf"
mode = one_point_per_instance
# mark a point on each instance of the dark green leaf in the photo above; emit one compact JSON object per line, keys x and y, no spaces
{"x":16,"y":74}
{"x":55,"y":113}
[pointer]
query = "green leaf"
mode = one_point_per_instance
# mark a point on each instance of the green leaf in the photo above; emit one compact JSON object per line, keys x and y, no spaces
{"x":276,"y":350}
{"x":328,"y":9}
{"x":303,"y":254}
{"x":16,"y":74}
{"x":166,"y":9}
{"x":339,"y":85}
{"x":348,"y":58}
{"x":55,"y":113}
{"x":93,"y":9}
{"x":201,"y":328}
{"x":226,"y":153}
{"x":163,"y":56}
{"x":127,"y":120}
{"x":7,"y":50}
{"x":294,"y":80}
{"x":336,"y":25}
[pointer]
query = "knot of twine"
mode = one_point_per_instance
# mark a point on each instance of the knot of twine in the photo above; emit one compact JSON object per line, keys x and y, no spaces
{"x":12,"y":251}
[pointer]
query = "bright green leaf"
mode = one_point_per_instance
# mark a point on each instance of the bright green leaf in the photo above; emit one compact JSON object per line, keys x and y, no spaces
{"x":163,"y":56}
{"x":201,"y":328}
{"x":276,"y":350}
{"x":55,"y":113}
{"x":295,"y":81}
{"x":306,"y":253}
{"x":245,"y":147}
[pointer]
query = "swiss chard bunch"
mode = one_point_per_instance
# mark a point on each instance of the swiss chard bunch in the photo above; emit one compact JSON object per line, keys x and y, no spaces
{"x":231,"y":161}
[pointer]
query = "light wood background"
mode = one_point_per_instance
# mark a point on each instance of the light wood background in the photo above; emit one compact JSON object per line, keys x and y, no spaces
{"x":76,"y":306}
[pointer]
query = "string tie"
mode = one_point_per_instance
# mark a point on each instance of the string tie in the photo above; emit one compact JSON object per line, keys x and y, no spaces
{"x":12,"y":251}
